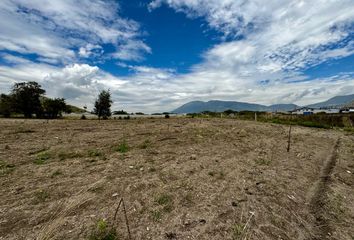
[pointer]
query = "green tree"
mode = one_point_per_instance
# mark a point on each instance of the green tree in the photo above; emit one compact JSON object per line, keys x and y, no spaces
{"x":6,"y":105}
{"x":26,"y":96}
{"x":103,"y":105}
{"x":53,"y":108}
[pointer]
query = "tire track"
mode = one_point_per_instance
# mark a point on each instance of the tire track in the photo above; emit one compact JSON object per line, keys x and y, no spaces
{"x":319,"y":199}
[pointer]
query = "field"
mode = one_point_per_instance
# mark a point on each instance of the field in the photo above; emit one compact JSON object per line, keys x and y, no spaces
{"x":180,"y":179}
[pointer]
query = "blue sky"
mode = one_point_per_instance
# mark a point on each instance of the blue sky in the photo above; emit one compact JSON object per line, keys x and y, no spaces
{"x":156,"y":55}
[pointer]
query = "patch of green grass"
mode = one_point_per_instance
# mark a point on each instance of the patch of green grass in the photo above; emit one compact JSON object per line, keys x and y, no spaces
{"x":42,"y":157}
{"x":122,"y":147}
{"x":262,"y":161}
{"x":163,"y":199}
{"x":166,"y":201}
{"x":103,"y":232}
{"x":237,"y":231}
{"x":6,"y":168}
{"x":95,"y":153}
{"x":69,"y":155}
{"x":41,"y":196}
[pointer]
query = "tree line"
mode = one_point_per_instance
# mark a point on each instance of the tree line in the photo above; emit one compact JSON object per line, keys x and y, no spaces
{"x":28,"y":98}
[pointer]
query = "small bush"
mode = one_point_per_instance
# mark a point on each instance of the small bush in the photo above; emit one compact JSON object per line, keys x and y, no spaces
{"x":83,"y":117}
{"x":103,"y":232}
{"x":167,"y":116}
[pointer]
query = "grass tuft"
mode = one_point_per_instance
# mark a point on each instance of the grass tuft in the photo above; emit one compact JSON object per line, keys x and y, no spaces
{"x":122,"y":147}
{"x":42,"y":157}
{"x":103,"y":231}
{"x":6,"y":168}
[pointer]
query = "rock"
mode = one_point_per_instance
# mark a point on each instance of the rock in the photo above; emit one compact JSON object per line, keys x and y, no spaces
{"x":193,"y":157}
{"x":114,"y":194}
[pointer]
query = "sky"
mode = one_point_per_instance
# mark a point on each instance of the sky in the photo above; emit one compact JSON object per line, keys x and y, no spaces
{"x":155,"y":55}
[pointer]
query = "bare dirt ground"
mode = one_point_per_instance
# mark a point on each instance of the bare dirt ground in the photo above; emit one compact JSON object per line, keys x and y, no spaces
{"x":180,"y":179}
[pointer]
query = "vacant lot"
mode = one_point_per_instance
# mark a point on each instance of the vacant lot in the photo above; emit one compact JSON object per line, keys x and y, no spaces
{"x":179,"y":178}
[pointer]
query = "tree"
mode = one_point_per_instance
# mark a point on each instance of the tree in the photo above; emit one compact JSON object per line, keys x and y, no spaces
{"x":103,"y":105}
{"x":53,"y":108}
{"x":26,"y":96}
{"x":6,"y":105}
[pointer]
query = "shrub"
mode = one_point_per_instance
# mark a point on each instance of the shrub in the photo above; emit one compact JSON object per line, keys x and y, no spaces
{"x":83,"y":117}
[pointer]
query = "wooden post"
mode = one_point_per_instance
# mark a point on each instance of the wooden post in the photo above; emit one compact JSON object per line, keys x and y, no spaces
{"x":289,"y":139}
{"x":255,"y":116}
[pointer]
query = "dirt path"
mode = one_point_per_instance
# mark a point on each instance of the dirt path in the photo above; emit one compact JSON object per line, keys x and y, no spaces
{"x":319,"y":199}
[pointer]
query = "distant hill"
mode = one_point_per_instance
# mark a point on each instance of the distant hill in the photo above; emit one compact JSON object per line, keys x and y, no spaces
{"x":220,"y":106}
{"x":337,"y":101}
{"x":75,"y":109}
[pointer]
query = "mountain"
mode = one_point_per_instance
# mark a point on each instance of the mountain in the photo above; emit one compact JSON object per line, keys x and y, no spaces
{"x":220,"y":106}
{"x":337,"y":101}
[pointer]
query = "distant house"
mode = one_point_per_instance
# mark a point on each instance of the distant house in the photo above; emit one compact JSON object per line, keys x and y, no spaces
{"x":303,"y":111}
{"x":309,"y":111}
{"x":347,"y":110}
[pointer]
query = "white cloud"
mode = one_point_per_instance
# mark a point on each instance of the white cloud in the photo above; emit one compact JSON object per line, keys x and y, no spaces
{"x":260,"y":59}
{"x":66,"y":29}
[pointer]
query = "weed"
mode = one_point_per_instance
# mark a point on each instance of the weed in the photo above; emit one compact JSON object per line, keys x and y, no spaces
{"x":42,"y":157}
{"x":218,"y":175}
{"x":187,"y":200}
{"x":156,"y":215}
{"x":349,"y":129}
{"x":6,"y":168}
{"x":146,"y":144}
{"x":68,"y":155}
{"x":122,"y":147}
{"x":95,"y":153}
{"x":237,"y":231}
{"x":41,"y":196}
{"x":262,"y":161}
{"x":165,"y":200}
{"x":103,"y":231}
{"x":56,"y":173}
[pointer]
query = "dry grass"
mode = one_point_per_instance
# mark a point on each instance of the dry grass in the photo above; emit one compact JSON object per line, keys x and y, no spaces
{"x":180,"y":179}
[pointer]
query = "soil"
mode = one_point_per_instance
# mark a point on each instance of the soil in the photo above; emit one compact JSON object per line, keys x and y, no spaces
{"x":180,"y":178}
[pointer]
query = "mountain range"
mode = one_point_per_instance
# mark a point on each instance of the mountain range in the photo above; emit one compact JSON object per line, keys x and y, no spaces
{"x":220,"y":106}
